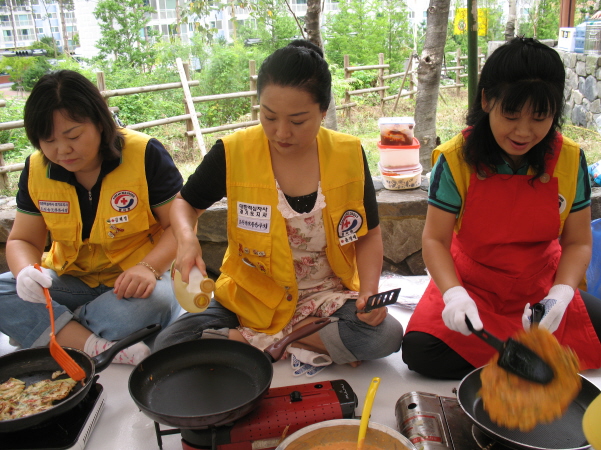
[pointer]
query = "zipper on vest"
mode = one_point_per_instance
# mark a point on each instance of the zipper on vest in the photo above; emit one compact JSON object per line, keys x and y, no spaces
{"x":90,"y":196}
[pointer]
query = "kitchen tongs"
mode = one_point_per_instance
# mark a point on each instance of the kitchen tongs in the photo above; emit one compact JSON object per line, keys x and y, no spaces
{"x":515,"y":357}
{"x":381,"y":299}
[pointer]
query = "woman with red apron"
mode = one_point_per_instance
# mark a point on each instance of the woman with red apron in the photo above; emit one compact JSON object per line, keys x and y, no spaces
{"x":499,"y":251}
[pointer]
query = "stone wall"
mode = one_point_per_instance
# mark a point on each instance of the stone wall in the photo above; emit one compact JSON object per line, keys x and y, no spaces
{"x":402,"y":218}
{"x":583,"y":89}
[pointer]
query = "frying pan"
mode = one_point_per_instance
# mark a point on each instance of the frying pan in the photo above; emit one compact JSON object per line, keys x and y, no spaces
{"x":207,"y":382}
{"x":564,"y":433}
{"x":36,"y":364}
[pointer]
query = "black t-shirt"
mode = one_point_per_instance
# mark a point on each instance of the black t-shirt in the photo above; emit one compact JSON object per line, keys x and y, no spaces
{"x":207,"y":185}
{"x":163,"y":179}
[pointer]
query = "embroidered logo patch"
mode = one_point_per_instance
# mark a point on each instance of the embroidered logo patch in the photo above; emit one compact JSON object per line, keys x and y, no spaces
{"x":349,"y":224}
{"x":124,"y":201}
{"x":53,"y":207}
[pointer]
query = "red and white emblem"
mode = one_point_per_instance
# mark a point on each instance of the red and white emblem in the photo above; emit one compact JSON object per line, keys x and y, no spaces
{"x":124,"y":201}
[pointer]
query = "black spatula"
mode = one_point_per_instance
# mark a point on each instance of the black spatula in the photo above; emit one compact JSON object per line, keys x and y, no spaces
{"x":516,"y":358}
{"x":381,"y":299}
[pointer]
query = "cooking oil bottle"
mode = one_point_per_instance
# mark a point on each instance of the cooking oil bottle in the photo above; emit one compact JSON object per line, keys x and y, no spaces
{"x":194,"y":296}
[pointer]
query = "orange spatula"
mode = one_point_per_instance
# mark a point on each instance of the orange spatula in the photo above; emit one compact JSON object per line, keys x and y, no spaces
{"x":59,"y":354}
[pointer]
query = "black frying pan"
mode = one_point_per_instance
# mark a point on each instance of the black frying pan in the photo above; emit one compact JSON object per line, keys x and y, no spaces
{"x":208,"y":382}
{"x":564,"y":433}
{"x":36,"y":364}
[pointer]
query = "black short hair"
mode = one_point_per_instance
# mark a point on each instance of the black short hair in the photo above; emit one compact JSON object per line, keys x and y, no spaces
{"x":80,"y":99}
{"x":522,"y":71}
{"x":301,"y":65}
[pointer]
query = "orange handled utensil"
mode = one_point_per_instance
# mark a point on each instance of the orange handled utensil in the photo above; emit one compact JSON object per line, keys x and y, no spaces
{"x":59,"y":354}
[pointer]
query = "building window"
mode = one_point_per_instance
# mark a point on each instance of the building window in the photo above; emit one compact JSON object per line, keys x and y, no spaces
{"x":40,"y":30}
{"x":54,"y":29}
{"x":37,"y":17}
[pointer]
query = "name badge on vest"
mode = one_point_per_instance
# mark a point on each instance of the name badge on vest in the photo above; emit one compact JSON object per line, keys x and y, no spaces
{"x":254,"y":217}
{"x":349,"y":224}
{"x":53,"y":207}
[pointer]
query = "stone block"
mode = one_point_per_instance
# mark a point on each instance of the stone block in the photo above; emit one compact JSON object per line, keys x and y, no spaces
{"x":590,"y":88}
{"x":578,"y":116}
{"x":581,"y":68}
{"x":595,"y":106}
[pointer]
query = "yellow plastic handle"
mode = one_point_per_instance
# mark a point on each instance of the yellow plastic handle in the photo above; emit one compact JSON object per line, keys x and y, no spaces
{"x":369,"y":401}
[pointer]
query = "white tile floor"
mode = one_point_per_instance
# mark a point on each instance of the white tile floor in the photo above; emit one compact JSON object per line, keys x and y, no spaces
{"x":122,"y":426}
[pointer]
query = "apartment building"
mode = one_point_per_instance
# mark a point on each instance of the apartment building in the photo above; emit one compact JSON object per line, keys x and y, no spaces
{"x":24,"y":21}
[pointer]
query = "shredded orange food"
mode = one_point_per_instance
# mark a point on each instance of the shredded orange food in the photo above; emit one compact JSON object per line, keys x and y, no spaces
{"x":514,"y":402}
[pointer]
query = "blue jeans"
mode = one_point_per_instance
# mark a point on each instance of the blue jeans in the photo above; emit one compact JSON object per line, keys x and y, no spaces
{"x":347,"y":339}
{"x":97,"y":309}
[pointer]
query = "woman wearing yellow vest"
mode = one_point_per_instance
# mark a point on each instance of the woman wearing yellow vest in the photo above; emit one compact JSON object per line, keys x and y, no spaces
{"x":104,"y":195}
{"x":304,"y":239}
{"x":508,"y":222}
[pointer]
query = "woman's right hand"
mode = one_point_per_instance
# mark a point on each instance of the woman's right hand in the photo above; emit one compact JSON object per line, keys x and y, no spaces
{"x":189,"y":254}
{"x":459,"y":306}
{"x":30,"y":284}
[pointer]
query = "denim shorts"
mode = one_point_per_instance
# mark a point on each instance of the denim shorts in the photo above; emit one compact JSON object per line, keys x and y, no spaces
{"x":97,"y":309}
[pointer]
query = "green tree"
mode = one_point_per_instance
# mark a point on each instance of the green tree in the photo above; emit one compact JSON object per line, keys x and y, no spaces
{"x":124,"y":32}
{"x":46,"y":43}
{"x":33,"y":73}
{"x":364,"y":28}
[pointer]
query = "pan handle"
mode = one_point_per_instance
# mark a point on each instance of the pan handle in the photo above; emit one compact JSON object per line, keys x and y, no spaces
{"x":276,"y":350}
{"x":104,"y":359}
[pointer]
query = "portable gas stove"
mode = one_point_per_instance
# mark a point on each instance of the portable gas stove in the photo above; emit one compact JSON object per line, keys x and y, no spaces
{"x":433,"y":422}
{"x":70,"y":430}
{"x":281,"y":412}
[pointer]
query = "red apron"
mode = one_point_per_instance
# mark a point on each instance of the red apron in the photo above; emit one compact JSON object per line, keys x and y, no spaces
{"x":506,"y":255}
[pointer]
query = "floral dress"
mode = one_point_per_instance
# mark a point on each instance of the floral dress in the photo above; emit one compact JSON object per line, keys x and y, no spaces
{"x":321,"y":292}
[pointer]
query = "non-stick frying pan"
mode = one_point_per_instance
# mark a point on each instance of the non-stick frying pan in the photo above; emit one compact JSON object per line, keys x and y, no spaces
{"x":36,"y":364}
{"x":564,"y":433}
{"x":207,"y":382}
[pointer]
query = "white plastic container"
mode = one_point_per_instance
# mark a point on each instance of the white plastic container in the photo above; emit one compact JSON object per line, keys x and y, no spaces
{"x":402,"y":179}
{"x":567,"y":39}
{"x":395,"y":157}
{"x":194,"y":296}
{"x":396,"y":130}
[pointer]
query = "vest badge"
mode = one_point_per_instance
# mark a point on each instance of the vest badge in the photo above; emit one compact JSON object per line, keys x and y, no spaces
{"x":349,"y":224}
{"x":254,"y":217}
{"x":124,"y":201}
{"x":46,"y":206}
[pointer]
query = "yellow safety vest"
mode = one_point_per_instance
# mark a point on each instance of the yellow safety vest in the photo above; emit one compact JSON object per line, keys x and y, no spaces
{"x":258,"y":280}
{"x":566,"y":171}
{"x":124,"y":230}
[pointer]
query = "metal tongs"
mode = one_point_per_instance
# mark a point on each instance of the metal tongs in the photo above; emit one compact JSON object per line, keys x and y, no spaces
{"x":515,"y":357}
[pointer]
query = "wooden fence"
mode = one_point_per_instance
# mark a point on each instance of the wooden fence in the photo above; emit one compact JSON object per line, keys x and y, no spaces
{"x":458,"y":70}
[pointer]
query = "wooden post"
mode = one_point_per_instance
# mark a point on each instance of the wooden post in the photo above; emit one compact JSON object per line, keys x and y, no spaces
{"x":347,"y":75}
{"x":254,"y":100}
{"x":189,"y":125}
{"x":191,"y":110}
{"x":458,"y":71}
{"x":381,"y":81}
{"x":412,"y":81}
{"x":3,"y":176}
{"x":407,"y":70}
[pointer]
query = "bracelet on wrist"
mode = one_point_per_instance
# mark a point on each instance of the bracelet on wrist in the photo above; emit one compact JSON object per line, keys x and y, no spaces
{"x":154,"y":272}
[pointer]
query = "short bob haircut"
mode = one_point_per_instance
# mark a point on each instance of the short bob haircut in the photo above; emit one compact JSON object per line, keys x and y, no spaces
{"x":80,"y":100}
{"x":299,"y":65}
{"x":522,"y":72}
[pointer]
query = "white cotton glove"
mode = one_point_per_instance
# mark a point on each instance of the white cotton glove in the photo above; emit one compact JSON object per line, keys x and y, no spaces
{"x":30,"y":282}
{"x":460,"y":305}
{"x":556,"y":303}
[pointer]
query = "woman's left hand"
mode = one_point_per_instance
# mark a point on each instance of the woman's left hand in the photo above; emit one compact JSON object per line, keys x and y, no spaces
{"x":137,"y":282}
{"x":375,"y":317}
